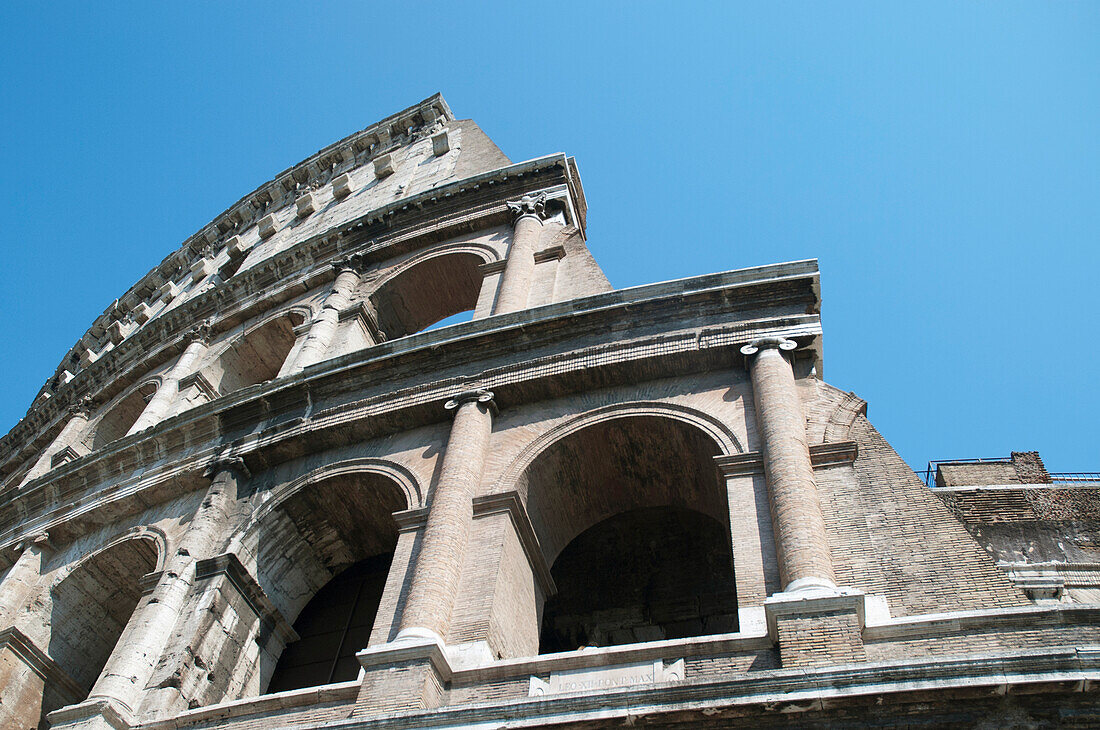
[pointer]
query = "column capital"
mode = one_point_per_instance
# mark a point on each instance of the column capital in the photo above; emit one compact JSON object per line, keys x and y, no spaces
{"x":352,"y":262}
{"x":200,"y":333}
{"x":477,"y":395}
{"x":227,"y":463}
{"x":40,"y":541}
{"x":529,"y":205}
{"x":768,"y":343}
{"x":82,"y":406}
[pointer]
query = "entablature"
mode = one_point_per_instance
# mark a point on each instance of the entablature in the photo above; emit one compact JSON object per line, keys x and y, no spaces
{"x":663,"y":330}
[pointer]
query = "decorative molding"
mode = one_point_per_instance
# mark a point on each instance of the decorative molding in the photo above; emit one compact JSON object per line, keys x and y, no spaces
{"x":227,"y":463}
{"x":63,"y":456}
{"x":511,"y":504}
{"x":841,"y":453}
{"x":366,"y":318}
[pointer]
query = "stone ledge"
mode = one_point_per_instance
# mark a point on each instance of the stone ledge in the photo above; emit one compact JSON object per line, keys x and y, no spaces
{"x":841,"y":453}
{"x":270,"y":617}
{"x":40,"y":662}
{"x":946,"y":679}
{"x":938,"y":624}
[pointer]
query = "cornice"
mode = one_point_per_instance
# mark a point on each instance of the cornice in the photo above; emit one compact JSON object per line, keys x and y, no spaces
{"x":681,"y":324}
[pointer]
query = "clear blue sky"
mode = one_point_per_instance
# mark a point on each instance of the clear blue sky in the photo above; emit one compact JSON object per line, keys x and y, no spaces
{"x":942,"y":160}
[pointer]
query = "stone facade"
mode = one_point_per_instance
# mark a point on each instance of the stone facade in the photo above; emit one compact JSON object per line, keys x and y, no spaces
{"x":263,"y":490}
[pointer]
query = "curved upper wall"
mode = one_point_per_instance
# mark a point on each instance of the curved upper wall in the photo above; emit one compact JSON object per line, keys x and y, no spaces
{"x":386,"y":162}
{"x":415,"y":177}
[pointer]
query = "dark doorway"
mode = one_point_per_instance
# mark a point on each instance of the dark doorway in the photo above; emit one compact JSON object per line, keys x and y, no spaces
{"x":333,"y":627}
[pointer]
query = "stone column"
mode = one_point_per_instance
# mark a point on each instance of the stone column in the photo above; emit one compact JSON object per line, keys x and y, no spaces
{"x":22,"y":577}
{"x":434,"y":586}
{"x":800,"y":539}
{"x":519,"y":270}
{"x":323,"y":328}
{"x":70,"y":433}
{"x":160,"y":404}
{"x":135,"y":656}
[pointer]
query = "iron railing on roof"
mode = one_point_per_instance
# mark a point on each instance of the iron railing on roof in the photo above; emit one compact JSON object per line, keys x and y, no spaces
{"x":1074,"y":477}
{"x":1060,"y":477}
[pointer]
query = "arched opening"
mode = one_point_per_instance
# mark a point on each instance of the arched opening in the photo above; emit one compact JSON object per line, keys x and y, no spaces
{"x":90,"y":609}
{"x":123,"y":414}
{"x":257,"y":357}
{"x":323,"y":556}
{"x":441,"y":288}
{"x":670,"y":577}
{"x":634,"y":522}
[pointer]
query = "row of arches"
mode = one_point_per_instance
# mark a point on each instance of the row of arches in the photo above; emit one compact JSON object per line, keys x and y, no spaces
{"x":628,"y":509}
{"x":438,"y":286}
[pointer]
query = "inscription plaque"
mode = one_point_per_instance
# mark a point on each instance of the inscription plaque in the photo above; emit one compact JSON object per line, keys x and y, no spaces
{"x":620,"y":675}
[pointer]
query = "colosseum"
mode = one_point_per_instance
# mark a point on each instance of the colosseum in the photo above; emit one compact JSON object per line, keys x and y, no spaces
{"x":380,"y":446}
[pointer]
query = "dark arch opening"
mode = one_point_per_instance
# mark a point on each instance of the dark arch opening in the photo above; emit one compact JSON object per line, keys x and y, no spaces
{"x":645,"y":575}
{"x":609,"y":493}
{"x":122,"y":416}
{"x":323,"y":556}
{"x":90,"y":609}
{"x":333,"y":626}
{"x":438,"y":289}
{"x":257,"y":357}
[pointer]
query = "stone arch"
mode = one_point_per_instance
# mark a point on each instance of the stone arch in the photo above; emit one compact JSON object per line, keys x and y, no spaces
{"x":322,"y":543}
{"x":628,"y":480}
{"x":404,"y":478}
{"x":257,"y":355}
{"x":91,"y":603}
{"x":120,"y":414}
{"x":512,"y":477}
{"x":428,"y":287}
{"x":148,"y":533}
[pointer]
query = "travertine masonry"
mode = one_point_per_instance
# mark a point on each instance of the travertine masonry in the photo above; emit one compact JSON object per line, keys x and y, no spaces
{"x":266,"y":488}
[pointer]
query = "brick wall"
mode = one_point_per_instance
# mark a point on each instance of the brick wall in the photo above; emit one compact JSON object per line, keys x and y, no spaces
{"x":890,"y":535}
{"x":820,"y":639}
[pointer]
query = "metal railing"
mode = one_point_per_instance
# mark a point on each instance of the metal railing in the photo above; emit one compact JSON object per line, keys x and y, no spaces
{"x":1071,"y":477}
{"x":929,"y":474}
{"x":1060,"y":477}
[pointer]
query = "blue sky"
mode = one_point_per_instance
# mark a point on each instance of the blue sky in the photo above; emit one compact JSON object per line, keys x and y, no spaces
{"x":941,"y":160}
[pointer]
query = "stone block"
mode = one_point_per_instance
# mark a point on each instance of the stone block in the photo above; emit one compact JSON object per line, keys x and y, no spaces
{"x":384,"y":166}
{"x":341,"y":186}
{"x":201,"y":269}
{"x":441,"y":143}
{"x":237,"y":248}
{"x":266,"y":226}
{"x":307,"y":205}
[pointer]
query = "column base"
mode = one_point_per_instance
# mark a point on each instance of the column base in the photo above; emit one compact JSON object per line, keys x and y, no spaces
{"x":409,"y":673}
{"x":92,"y":714}
{"x":817,"y":626}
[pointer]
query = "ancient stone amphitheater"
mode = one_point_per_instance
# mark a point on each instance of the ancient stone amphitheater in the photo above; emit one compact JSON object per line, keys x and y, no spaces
{"x":283,"y":482}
